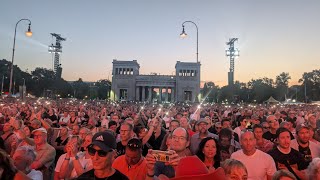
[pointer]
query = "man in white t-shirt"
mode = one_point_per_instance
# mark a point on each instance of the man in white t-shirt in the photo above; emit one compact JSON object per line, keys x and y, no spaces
{"x":260,"y":165}
{"x":23,"y":157}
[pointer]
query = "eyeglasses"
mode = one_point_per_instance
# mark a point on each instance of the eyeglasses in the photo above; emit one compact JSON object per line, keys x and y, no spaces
{"x":124,"y":131}
{"x":271,"y":121}
{"x":92,"y":151}
{"x":178,"y":138}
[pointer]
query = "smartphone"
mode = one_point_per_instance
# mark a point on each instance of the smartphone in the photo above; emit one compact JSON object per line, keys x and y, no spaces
{"x":162,"y":156}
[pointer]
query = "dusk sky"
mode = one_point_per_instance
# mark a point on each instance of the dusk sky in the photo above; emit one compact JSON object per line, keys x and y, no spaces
{"x":274,"y":36}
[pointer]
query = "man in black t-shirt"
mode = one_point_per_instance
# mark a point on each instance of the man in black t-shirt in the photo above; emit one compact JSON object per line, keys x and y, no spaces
{"x":273,"y":126}
{"x":126,"y":133}
{"x":287,"y":158}
{"x":102,"y":152}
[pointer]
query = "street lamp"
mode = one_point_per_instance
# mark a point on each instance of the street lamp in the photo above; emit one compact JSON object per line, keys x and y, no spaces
{"x":184,"y":34}
{"x":2,"y":84}
{"x":28,"y":33}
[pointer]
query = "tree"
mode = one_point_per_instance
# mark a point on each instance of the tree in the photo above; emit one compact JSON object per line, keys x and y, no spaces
{"x":104,"y":87}
{"x":81,"y":89}
{"x":261,"y":89}
{"x":311,"y":85}
{"x":281,"y":84}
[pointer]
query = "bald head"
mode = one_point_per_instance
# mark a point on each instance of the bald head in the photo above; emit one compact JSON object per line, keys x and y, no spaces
{"x":248,"y":143}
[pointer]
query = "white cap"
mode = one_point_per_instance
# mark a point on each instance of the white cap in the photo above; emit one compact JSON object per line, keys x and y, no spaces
{"x":40,"y":129}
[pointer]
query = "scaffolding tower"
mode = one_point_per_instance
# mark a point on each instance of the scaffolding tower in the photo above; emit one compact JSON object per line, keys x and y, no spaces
{"x":232,"y":53}
{"x":56,"y":50}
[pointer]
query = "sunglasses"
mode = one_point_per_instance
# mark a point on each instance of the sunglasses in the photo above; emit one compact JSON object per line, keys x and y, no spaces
{"x":92,"y":151}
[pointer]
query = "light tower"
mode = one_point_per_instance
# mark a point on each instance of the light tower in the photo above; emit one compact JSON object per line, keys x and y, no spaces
{"x":232,"y":53}
{"x":56,"y":49}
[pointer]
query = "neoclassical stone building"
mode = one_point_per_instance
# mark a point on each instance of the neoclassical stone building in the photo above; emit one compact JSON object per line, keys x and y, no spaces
{"x":128,"y":84}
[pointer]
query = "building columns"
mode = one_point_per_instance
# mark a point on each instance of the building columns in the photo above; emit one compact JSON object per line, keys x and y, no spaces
{"x":167,"y":94}
{"x":137,"y":93}
{"x":149,"y":94}
{"x":143,"y":93}
{"x":172,"y":95}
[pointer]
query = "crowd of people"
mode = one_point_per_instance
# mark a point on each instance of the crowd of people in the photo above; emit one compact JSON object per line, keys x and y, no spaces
{"x":73,"y":139}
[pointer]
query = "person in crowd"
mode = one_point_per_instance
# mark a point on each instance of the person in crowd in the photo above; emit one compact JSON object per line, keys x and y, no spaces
{"x":227,"y":144}
{"x":274,"y":125}
{"x":73,"y":163}
{"x":83,"y":132}
{"x":226,"y":123}
{"x":45,"y":153}
{"x":65,"y":118}
{"x":312,"y":121}
{"x":259,"y":164}
{"x":60,"y":142}
{"x":102,"y":151}
{"x":27,"y":131}
{"x":53,"y":117}
{"x":243,"y":125}
{"x":75,"y":130}
{"x":132,"y":163}
{"x":158,"y":133}
{"x":311,"y":132}
{"x":313,"y":169}
{"x":126,"y":133}
{"x":302,"y":143}
{"x":144,"y":135}
{"x":8,"y":170}
{"x":283,"y":175}
{"x":217,"y":128}
{"x":234,"y":169}
{"x":74,"y":119}
{"x":286,"y":157}
{"x":8,"y":137}
{"x":180,"y":142}
{"x":165,"y":145}
{"x":184,"y":122}
{"x":265,"y":125}
{"x":209,"y":153}
{"x":112,"y":126}
{"x":23,"y":157}
{"x":197,"y":137}
{"x":35,"y":124}
{"x":262,"y":144}
{"x":173,"y":125}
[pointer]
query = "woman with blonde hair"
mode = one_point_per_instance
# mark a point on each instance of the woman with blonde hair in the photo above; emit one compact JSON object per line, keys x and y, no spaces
{"x":234,"y":169}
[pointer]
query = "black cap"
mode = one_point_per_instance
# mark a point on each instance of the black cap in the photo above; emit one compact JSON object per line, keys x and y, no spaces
{"x":104,"y":140}
{"x":134,"y":144}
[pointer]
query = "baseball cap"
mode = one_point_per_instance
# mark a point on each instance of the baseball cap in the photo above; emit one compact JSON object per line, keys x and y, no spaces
{"x":40,"y":130}
{"x":134,"y":144}
{"x":300,"y":126}
{"x":104,"y":140}
{"x":201,"y":121}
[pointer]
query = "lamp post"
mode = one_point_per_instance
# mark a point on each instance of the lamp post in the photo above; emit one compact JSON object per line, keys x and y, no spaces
{"x":28,"y":33}
{"x":2,"y":85}
{"x":184,"y":34}
{"x":24,"y":82}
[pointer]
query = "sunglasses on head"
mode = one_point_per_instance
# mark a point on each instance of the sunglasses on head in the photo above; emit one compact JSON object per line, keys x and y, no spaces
{"x":92,"y":151}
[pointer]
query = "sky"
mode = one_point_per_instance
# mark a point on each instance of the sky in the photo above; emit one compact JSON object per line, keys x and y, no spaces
{"x":274,"y":36}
